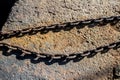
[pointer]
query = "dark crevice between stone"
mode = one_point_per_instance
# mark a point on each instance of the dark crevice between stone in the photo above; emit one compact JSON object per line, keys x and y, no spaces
{"x":5,"y":8}
{"x":116,"y":72}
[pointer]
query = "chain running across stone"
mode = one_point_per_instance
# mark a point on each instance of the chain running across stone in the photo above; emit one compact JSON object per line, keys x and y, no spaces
{"x":56,"y":28}
{"x":62,"y":56}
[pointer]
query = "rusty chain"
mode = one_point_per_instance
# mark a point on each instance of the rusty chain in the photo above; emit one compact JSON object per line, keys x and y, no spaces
{"x":57,"y":27}
{"x":102,"y":49}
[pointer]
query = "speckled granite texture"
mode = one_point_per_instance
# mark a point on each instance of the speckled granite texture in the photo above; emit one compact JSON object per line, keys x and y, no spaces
{"x":34,"y":13}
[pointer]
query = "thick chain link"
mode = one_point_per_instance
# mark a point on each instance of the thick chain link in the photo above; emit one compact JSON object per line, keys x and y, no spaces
{"x":58,"y":27}
{"x":102,"y":49}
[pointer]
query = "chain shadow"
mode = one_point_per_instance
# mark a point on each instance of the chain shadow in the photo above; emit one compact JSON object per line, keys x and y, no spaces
{"x":22,"y":54}
{"x":69,"y":27}
{"x":5,"y":8}
{"x":55,"y":28}
{"x":31,"y":56}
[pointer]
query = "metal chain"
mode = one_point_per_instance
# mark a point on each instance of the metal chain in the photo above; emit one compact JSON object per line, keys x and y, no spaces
{"x":58,"y":27}
{"x":102,"y":49}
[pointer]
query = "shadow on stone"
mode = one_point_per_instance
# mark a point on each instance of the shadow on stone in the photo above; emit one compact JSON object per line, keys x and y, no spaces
{"x":103,"y":73}
{"x":23,"y":54}
{"x":116,"y":72}
{"x":5,"y":8}
{"x":58,"y":27}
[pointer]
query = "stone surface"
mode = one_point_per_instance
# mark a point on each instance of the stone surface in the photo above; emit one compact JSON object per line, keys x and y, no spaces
{"x":118,"y":70}
{"x":117,"y":27}
{"x":29,"y":13}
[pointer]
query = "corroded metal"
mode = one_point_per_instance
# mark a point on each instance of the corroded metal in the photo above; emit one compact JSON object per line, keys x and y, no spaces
{"x":57,"y":27}
{"x":9,"y":48}
{"x":65,"y":26}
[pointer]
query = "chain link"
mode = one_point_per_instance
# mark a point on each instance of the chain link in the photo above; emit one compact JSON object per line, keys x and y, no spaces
{"x":58,"y":27}
{"x":8,"y":48}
